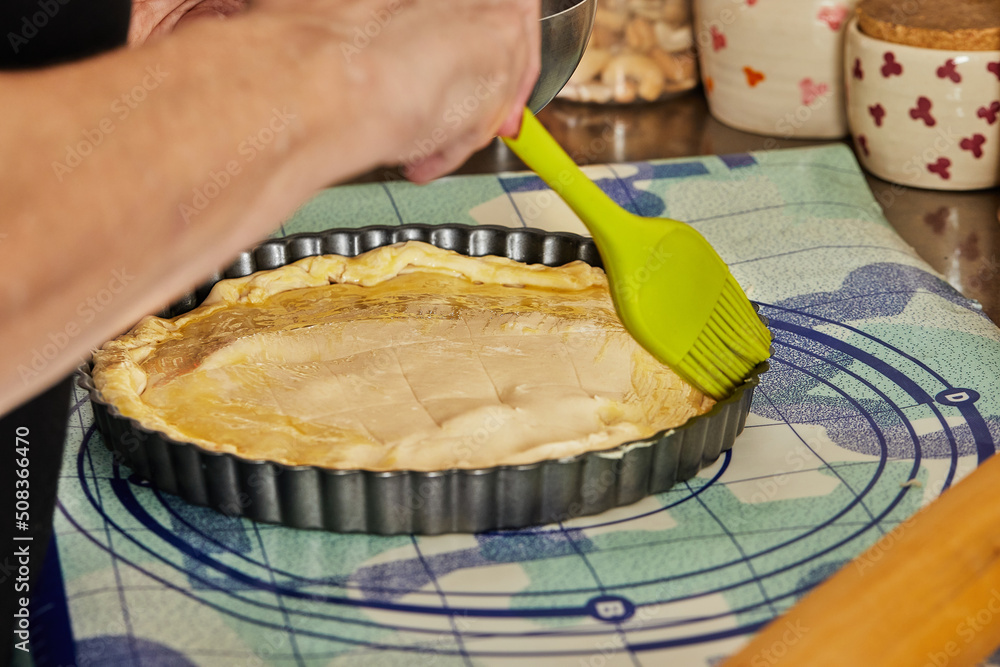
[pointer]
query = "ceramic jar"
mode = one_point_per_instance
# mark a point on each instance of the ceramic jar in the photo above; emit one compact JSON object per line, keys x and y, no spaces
{"x":923,"y":117}
{"x":774,"y":67}
{"x":639,"y":51}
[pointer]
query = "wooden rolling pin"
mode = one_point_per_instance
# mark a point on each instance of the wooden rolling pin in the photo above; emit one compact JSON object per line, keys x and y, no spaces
{"x":925,"y":595}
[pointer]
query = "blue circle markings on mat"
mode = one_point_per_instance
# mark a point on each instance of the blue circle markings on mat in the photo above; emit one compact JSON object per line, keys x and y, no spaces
{"x":206,"y":535}
{"x":678,"y":642}
{"x":985,"y":445}
{"x":683,"y":641}
{"x":775,"y":547}
{"x":610,"y":608}
{"x":957,"y":396}
{"x":736,"y":631}
{"x":131,"y":502}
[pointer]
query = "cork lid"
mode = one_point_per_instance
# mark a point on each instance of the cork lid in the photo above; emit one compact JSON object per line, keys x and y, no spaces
{"x":955,"y":25}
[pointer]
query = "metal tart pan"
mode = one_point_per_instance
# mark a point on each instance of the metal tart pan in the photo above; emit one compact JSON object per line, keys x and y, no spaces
{"x":400,"y":502}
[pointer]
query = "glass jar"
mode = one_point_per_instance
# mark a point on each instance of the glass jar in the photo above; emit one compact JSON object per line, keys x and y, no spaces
{"x":639,"y":51}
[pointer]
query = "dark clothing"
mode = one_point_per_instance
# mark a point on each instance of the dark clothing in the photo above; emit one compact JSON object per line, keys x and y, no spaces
{"x":36,"y":33}
{"x":37,"y":429}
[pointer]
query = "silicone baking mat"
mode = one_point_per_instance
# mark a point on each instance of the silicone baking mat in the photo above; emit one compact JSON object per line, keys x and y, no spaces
{"x":881,"y":395}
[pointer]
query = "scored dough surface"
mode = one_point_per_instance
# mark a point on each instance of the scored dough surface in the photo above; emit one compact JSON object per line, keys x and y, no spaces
{"x":406,"y":358}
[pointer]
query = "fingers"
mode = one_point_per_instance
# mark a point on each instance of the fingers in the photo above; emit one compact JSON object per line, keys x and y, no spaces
{"x":443,"y":162}
{"x":156,"y":18}
{"x":515,"y":62}
{"x":512,"y":124}
{"x":428,"y":169}
{"x":207,"y":11}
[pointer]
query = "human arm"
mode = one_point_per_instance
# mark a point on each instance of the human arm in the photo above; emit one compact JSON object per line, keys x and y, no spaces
{"x":125,"y":221}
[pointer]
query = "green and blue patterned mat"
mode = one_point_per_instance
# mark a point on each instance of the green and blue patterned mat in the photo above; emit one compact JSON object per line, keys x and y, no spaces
{"x":882,"y":375}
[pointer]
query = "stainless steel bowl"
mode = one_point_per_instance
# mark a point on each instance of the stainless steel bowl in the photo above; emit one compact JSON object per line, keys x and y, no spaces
{"x":566,"y":26}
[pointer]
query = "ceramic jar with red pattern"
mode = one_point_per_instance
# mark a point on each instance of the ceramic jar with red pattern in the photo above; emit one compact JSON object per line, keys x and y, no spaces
{"x":928,"y":118}
{"x":774,"y":67}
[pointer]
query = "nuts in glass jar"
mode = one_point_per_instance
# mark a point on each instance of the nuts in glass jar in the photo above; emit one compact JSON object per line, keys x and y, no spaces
{"x":639,"y":50}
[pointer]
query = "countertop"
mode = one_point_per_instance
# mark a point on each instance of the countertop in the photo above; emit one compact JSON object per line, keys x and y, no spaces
{"x":880,"y":395}
{"x":955,"y":232}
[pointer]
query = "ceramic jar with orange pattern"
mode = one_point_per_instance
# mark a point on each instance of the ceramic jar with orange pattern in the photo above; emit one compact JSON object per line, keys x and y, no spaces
{"x":639,"y":51}
{"x":774,"y":67}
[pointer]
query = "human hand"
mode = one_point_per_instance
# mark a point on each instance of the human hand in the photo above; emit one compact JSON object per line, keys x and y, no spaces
{"x":460,"y":74}
{"x":431,"y":81}
{"x":442,"y":77}
{"x":154,"y":18}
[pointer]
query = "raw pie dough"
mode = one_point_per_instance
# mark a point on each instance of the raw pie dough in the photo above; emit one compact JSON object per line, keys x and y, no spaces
{"x":405,"y":358}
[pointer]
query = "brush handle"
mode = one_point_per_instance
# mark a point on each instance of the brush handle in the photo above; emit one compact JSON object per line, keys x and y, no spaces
{"x":543,"y":155}
{"x":926,"y":594}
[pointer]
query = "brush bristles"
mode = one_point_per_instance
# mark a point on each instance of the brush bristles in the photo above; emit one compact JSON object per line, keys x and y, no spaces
{"x":731,"y":344}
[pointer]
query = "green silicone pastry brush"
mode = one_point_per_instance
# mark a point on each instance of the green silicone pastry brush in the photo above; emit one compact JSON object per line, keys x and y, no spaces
{"x":672,"y":291}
